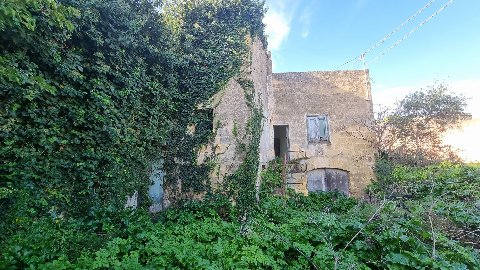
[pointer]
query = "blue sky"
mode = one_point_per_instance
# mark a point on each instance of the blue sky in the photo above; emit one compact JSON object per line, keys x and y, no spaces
{"x":307,"y":35}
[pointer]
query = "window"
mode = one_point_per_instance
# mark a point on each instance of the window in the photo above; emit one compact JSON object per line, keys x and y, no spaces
{"x":317,"y":128}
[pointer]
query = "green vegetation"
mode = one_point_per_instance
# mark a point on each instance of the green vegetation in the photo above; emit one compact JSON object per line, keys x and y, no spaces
{"x":241,"y":184}
{"x":411,"y":226}
{"x":92,"y":92}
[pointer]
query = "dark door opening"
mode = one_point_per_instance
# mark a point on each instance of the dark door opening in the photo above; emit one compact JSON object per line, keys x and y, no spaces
{"x":280,"y":141}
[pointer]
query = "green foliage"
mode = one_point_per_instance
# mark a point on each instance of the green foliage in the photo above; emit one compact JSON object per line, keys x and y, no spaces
{"x":92,"y":92}
{"x":449,"y":193}
{"x":457,"y":182}
{"x":434,"y":103}
{"x":321,"y":231}
{"x":271,"y":178}
{"x":241,"y":184}
{"x":213,"y":42}
{"x":383,"y":170}
{"x":21,"y":15}
{"x":45,"y":240}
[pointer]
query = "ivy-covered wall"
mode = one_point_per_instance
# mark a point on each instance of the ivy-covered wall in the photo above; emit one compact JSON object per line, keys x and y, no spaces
{"x":239,"y":120}
{"x":93,"y":92}
{"x":232,"y":110}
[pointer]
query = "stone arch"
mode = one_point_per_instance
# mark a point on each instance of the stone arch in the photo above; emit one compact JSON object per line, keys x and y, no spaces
{"x":328,"y":179}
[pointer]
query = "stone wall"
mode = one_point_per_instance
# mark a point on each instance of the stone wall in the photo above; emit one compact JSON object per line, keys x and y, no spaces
{"x":231,"y":114}
{"x":344,"y":96}
{"x":286,"y":99}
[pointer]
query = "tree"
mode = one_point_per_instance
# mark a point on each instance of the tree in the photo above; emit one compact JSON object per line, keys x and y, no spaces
{"x":412,"y":132}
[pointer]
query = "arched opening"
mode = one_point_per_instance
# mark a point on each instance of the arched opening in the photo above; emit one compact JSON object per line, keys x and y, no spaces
{"x":328,"y":179}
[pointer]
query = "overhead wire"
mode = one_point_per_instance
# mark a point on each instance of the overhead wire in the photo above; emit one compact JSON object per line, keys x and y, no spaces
{"x":400,"y":26}
{"x":359,"y":57}
{"x":409,"y":33}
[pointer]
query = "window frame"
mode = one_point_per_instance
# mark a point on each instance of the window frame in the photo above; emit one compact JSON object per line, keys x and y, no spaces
{"x":327,"y":123}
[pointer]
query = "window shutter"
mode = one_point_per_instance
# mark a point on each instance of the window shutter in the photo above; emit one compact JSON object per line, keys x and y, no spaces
{"x":311,"y":129}
{"x":317,"y":128}
{"x":322,"y":128}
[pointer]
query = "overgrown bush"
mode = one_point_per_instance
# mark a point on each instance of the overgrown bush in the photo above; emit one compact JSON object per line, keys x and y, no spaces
{"x":449,"y":194}
{"x":271,"y":179}
{"x":320,"y":231}
{"x":93,"y":92}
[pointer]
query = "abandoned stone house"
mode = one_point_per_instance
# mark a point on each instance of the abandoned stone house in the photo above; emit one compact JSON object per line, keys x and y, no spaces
{"x":313,"y":120}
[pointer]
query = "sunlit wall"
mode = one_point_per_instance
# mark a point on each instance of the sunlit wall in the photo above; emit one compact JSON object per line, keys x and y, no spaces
{"x":466,"y":139}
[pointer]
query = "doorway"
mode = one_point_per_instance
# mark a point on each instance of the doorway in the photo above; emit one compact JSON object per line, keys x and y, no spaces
{"x":281,"y":142}
{"x":328,"y":179}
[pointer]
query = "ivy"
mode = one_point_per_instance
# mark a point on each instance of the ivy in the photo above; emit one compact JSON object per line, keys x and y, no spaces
{"x":214,"y":39}
{"x":241,"y":183}
{"x":93,"y":92}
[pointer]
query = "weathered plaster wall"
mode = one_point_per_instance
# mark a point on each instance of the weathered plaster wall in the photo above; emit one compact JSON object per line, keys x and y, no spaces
{"x":345,"y":97}
{"x":231,"y":114}
{"x":261,"y":69}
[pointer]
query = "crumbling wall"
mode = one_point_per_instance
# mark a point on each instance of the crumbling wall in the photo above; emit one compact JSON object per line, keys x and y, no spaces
{"x":344,"y":96}
{"x":231,"y":115}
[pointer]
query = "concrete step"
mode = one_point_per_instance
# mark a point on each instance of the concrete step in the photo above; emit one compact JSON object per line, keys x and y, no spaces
{"x":296,"y":167}
{"x":293,"y":178}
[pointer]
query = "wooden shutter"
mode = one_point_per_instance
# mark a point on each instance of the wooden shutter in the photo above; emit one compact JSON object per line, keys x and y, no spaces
{"x":322,"y":128}
{"x":317,"y":128}
{"x":312,"y":129}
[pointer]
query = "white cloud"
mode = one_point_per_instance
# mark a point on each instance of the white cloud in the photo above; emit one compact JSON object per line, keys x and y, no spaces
{"x":278,"y":21}
{"x":305,"y":19}
{"x":277,"y":28}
